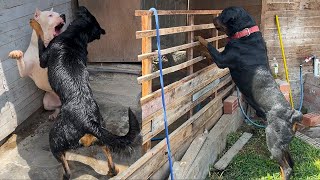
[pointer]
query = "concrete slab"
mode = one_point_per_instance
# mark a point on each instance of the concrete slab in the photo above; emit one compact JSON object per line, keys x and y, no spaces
{"x":26,"y":155}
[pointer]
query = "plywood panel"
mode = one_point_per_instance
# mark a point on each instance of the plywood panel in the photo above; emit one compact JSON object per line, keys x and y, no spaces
{"x":118,"y":19}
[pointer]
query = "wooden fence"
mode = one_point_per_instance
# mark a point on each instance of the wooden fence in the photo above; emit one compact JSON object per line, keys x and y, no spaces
{"x":181,"y":96}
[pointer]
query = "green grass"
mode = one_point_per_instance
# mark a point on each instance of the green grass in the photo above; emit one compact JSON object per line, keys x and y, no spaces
{"x":253,"y":161}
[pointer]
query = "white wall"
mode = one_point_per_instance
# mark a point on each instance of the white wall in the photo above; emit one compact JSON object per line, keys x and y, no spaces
{"x":19,"y":97}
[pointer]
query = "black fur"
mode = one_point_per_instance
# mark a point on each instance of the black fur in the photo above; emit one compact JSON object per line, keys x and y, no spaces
{"x":66,"y":58}
{"x":247,"y":61}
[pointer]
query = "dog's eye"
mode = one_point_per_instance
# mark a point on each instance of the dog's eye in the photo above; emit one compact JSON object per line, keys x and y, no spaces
{"x":50,"y":15}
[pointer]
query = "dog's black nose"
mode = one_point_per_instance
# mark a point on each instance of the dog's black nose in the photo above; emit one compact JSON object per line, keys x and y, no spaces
{"x":63,"y":16}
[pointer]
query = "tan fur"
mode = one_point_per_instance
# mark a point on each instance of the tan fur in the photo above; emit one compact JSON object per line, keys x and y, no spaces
{"x":87,"y":140}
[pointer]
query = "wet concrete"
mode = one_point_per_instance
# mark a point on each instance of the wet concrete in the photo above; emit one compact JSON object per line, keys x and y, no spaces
{"x":26,"y":155}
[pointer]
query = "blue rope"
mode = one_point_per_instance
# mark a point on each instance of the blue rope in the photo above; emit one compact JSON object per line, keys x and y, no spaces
{"x":245,"y":115}
{"x":162,"y":91}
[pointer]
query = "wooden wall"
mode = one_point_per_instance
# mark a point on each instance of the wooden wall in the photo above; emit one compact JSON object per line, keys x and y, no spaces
{"x":299,"y":20}
{"x":19,"y":97}
{"x":168,"y":21}
{"x":117,"y":18}
{"x":252,"y":6}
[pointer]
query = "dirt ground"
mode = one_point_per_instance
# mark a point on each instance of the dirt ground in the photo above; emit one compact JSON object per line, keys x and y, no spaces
{"x":26,"y":155}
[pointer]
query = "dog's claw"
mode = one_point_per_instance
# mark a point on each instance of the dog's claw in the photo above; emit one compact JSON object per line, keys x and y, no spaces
{"x":16,"y":54}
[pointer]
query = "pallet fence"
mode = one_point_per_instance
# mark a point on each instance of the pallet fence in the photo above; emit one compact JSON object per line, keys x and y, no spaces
{"x":181,"y":96}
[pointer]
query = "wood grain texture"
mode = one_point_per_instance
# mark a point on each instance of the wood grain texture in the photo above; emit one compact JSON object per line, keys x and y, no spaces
{"x":176,"y":12}
{"x":156,"y":157}
{"x":117,"y":18}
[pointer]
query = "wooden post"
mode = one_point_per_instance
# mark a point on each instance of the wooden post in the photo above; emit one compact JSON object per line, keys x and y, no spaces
{"x":217,"y":34}
{"x":146,"y":22}
{"x":190,"y":50}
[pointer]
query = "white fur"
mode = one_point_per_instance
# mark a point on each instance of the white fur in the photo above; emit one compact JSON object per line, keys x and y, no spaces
{"x":28,"y":62}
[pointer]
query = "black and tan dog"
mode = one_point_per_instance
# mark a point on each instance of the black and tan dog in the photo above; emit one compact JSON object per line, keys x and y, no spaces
{"x":246,"y":57}
{"x":79,"y":122}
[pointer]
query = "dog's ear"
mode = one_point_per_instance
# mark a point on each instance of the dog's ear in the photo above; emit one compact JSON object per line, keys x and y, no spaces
{"x":227,"y":17}
{"x":51,"y":10}
{"x":37,"y":14}
{"x":83,"y":12}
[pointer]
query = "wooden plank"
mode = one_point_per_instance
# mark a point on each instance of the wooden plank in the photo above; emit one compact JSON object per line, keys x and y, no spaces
{"x":186,"y":86}
{"x":190,"y":50}
{"x":175,"y":111}
{"x":217,"y":34}
{"x":176,"y":12}
{"x":17,"y":95}
{"x":180,"y":167}
{"x":7,"y":128}
{"x":179,"y":48}
{"x":24,"y":20}
{"x":170,"y":69}
{"x":232,"y":152}
{"x":164,"y":171}
{"x":25,"y":9}
{"x":156,"y":157}
{"x":146,"y":47}
{"x":206,"y":89}
{"x":308,"y":140}
{"x":174,"y":86}
{"x":24,"y":105}
{"x":25,"y":29}
{"x":119,"y":44}
{"x":173,"y":30}
{"x":214,"y":144}
{"x":14,"y":118}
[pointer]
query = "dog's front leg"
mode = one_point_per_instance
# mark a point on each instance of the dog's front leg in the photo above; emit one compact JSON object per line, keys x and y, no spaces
{"x":224,"y":59}
{"x":24,"y":67}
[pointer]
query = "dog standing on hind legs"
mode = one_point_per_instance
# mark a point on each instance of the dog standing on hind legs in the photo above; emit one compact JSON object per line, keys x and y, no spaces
{"x":28,"y":62}
{"x":246,"y":57}
{"x":79,"y":122}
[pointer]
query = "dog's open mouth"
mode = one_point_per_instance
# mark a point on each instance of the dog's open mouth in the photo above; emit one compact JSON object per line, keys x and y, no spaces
{"x":57,"y":29}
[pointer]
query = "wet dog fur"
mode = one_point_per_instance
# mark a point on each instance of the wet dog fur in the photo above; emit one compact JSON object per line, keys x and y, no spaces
{"x":79,"y":122}
{"x":247,"y":61}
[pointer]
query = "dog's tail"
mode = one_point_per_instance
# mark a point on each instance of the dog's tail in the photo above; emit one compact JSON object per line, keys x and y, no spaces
{"x":118,"y":143}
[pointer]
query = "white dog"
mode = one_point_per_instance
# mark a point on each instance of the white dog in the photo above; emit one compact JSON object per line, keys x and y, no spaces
{"x":28,"y":63}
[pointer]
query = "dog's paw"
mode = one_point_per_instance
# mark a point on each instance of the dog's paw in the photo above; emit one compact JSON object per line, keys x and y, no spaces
{"x":16,"y":54}
{"x":202,"y":41}
{"x":54,"y":115}
{"x":113,"y":171}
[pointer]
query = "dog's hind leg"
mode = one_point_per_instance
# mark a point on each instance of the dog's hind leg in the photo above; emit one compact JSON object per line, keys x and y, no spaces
{"x":61,"y":157}
{"x":51,"y":101}
{"x":278,"y":152}
{"x":113,"y":170}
